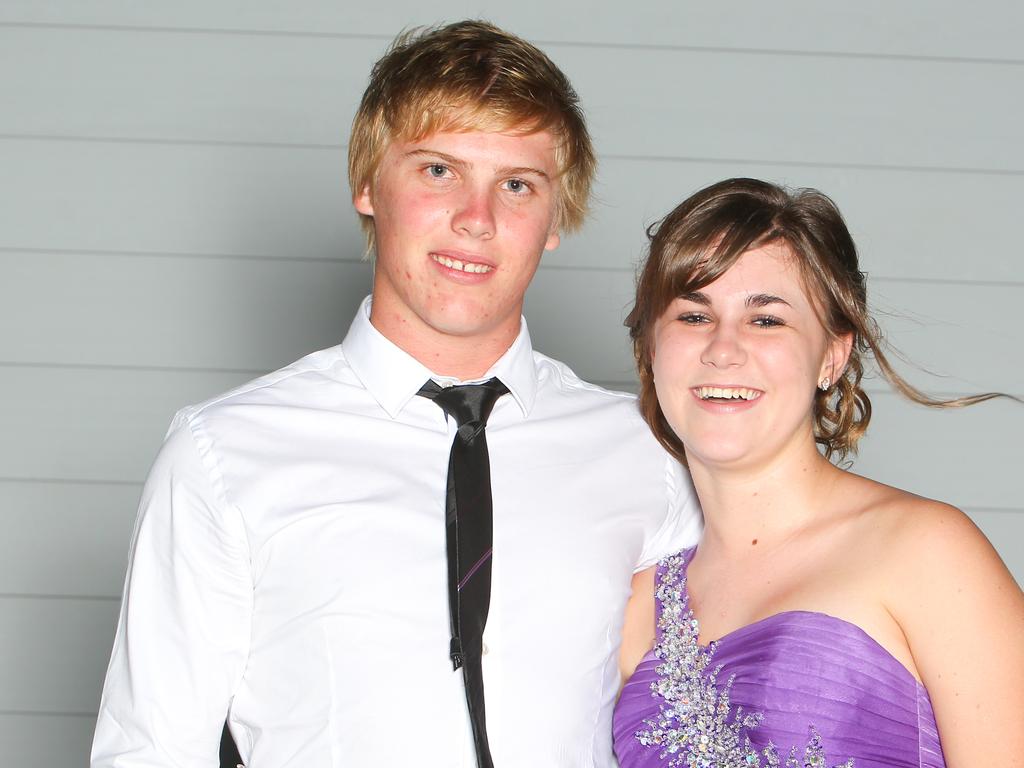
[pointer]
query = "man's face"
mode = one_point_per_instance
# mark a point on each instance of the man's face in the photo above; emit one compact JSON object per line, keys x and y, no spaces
{"x":461,"y":221}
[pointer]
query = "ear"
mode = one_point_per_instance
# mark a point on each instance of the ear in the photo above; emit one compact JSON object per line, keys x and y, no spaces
{"x":836,"y":355}
{"x":363,"y":201}
{"x":554,"y":238}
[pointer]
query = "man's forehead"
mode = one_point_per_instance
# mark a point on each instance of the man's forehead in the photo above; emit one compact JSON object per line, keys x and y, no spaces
{"x":516,"y":147}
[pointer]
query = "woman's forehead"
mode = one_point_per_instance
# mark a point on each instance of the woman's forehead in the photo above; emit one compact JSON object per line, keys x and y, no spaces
{"x":766,"y":268}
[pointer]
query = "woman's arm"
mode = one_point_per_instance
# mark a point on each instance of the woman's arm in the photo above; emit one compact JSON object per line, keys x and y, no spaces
{"x":963,"y":616}
{"x":638,"y":627}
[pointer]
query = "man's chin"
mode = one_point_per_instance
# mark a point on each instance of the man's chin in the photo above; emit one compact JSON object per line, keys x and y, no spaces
{"x":476,"y":324}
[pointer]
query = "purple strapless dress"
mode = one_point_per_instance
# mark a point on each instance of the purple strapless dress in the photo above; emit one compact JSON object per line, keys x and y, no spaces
{"x":795,"y":689}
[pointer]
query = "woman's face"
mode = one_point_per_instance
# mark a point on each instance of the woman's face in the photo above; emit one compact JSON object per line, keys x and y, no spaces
{"x":736,"y":364}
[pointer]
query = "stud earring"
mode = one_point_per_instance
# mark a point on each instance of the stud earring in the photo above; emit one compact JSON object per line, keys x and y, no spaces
{"x":825,"y":384}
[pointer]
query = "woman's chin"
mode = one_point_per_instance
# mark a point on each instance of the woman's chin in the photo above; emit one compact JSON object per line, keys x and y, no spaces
{"x":720,"y":453}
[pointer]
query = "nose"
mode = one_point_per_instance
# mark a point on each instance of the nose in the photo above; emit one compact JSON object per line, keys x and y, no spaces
{"x":724,"y":349}
{"x":474,"y":214}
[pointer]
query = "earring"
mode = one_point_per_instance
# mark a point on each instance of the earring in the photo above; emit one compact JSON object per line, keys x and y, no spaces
{"x":825,"y":384}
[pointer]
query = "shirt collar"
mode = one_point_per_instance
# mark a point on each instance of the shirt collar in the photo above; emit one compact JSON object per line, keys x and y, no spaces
{"x":393,"y":376}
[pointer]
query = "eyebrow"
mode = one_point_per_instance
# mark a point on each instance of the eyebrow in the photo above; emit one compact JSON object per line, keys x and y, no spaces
{"x":754,"y":300}
{"x":764,"y":299}
{"x":697,"y":298}
{"x":517,"y":170}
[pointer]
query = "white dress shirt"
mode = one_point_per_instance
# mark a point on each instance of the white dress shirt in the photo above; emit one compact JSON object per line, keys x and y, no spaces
{"x":289,"y":563}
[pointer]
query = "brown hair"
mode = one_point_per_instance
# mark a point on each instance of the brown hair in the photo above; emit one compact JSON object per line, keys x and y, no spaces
{"x":465,"y":76}
{"x":708,"y":232}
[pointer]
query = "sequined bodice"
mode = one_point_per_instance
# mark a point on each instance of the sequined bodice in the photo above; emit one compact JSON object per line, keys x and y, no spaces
{"x":798,"y":688}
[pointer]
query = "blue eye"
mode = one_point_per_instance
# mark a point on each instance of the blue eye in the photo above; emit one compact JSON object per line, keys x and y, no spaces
{"x":517,"y":186}
{"x":768,"y":321}
{"x":437,"y":170}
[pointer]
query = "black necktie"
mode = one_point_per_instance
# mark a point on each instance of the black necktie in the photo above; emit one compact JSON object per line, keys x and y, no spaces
{"x":469,"y":535}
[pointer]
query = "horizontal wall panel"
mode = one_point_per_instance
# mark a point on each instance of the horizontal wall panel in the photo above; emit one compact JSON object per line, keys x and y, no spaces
{"x":680,"y":103}
{"x":259,"y":315}
{"x":65,"y":538}
{"x":965,"y":457}
{"x":46,"y":741}
{"x":650,"y":102}
{"x":180,"y":199}
{"x":291,"y":202}
{"x":93,"y":425}
{"x":907,"y":224}
{"x":870,"y":27}
{"x":155,"y":85}
{"x":163,"y":311}
{"x":968,"y":457}
{"x":55,"y":653}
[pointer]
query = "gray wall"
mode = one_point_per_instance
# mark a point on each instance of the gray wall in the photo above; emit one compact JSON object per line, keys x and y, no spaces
{"x":174,"y":219}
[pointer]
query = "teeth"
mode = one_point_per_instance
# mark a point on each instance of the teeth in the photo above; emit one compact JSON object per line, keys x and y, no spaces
{"x":728,"y":393}
{"x":462,"y":266}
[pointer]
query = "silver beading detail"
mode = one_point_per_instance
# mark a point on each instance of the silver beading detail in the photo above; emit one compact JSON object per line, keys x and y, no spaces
{"x":697,"y":727}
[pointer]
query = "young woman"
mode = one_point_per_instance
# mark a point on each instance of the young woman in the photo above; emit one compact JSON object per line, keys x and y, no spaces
{"x":824,"y":619}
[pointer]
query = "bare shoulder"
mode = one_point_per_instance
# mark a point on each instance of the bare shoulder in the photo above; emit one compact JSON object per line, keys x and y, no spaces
{"x":926,"y":557}
{"x":927,"y":539}
{"x":949,"y":592}
{"x":915,"y":536}
{"x":940,"y":564}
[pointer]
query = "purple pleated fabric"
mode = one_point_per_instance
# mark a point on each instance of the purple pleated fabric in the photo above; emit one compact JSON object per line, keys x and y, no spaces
{"x":800,"y":670}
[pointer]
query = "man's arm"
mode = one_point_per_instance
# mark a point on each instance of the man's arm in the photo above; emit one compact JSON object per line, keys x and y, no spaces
{"x":680,"y":529}
{"x":683,"y":521}
{"x":183,"y":633}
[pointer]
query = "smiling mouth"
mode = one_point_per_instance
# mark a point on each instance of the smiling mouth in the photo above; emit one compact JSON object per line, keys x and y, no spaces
{"x":727,"y":393}
{"x":461,"y":266}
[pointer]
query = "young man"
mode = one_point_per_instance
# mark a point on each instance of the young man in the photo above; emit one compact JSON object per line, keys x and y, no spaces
{"x":291,"y":564}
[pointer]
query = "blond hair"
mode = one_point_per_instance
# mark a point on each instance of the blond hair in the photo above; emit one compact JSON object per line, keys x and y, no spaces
{"x":465,"y":76}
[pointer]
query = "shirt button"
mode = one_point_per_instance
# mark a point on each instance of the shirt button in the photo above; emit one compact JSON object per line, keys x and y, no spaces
{"x":486,"y":650}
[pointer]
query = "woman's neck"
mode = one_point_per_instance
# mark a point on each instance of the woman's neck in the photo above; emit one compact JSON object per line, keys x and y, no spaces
{"x":762,"y":505}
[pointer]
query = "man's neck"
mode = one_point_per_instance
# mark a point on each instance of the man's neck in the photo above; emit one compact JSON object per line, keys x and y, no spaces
{"x":465,"y":358}
{"x":456,"y":361}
